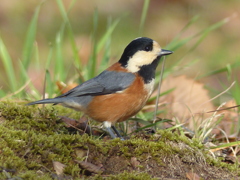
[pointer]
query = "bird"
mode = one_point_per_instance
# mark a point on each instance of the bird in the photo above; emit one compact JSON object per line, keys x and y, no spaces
{"x":120,"y":91}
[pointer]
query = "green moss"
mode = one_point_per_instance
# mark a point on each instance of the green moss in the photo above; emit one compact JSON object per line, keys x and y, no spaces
{"x":31,"y":139}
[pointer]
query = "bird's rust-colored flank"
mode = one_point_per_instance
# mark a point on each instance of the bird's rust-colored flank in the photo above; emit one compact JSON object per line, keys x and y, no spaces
{"x":120,"y":106}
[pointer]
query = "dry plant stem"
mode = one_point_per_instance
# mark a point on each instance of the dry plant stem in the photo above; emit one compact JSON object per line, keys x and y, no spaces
{"x":212,"y":154}
{"x":87,"y":155}
{"x":226,"y":136}
{"x":44,"y":90}
{"x":217,"y":97}
{"x":86,"y":130}
{"x":158,"y":93}
{"x":223,"y":109}
{"x":208,"y":123}
{"x":146,"y":107}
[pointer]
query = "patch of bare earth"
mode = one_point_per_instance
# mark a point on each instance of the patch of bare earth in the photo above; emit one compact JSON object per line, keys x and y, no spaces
{"x":182,"y":162}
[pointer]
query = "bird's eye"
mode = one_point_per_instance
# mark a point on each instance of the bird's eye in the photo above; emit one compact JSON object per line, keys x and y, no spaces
{"x":148,"y":48}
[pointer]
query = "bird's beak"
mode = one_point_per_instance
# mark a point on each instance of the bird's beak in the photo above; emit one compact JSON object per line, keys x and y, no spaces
{"x":165,"y":52}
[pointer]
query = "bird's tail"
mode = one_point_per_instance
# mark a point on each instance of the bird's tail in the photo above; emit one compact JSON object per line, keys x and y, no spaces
{"x":47,"y":101}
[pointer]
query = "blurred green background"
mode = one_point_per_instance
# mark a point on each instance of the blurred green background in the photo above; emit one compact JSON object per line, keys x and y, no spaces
{"x":164,"y":21}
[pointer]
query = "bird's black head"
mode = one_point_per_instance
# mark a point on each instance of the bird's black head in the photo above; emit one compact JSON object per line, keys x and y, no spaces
{"x":142,"y":55}
{"x":139,"y":44}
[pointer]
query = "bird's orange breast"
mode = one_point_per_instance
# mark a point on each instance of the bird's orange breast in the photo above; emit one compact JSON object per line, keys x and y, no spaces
{"x":120,"y":106}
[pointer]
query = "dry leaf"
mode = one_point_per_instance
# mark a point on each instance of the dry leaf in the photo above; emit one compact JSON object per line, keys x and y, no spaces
{"x":80,"y":153}
{"x":58,"y":167}
{"x":89,"y":167}
{"x":231,"y":160}
{"x":81,"y":125}
{"x":134,"y":162}
{"x":192,"y":176}
{"x":187,"y":98}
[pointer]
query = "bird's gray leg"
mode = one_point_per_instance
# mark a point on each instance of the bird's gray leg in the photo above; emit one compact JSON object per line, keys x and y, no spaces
{"x":116,"y":131}
{"x":108,"y":126}
{"x":113,"y":136}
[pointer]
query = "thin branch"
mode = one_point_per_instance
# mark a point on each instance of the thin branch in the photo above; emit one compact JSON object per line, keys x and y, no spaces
{"x":158,"y":92}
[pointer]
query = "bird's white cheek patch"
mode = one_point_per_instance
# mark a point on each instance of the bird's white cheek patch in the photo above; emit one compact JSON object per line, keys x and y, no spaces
{"x":139,"y":59}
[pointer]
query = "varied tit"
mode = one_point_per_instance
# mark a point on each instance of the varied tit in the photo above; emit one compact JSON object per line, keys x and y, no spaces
{"x":120,"y":91}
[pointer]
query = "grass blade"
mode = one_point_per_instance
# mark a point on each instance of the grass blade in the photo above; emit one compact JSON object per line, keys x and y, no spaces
{"x":143,"y":16}
{"x":49,"y":84}
{"x":8,"y":66}
{"x":62,"y":10}
{"x":59,"y":65}
{"x":105,"y":40}
{"x":221,"y":70}
{"x":65,"y":26}
{"x":93,"y":59}
{"x":107,"y":35}
{"x":75,"y":50}
{"x":28,"y":44}
{"x":177,"y":43}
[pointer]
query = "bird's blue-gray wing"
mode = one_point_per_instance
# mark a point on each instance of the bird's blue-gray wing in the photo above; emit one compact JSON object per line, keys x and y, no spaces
{"x":107,"y":82}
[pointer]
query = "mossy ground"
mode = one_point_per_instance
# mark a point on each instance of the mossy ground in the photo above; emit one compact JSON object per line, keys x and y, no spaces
{"x":31,"y":139}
